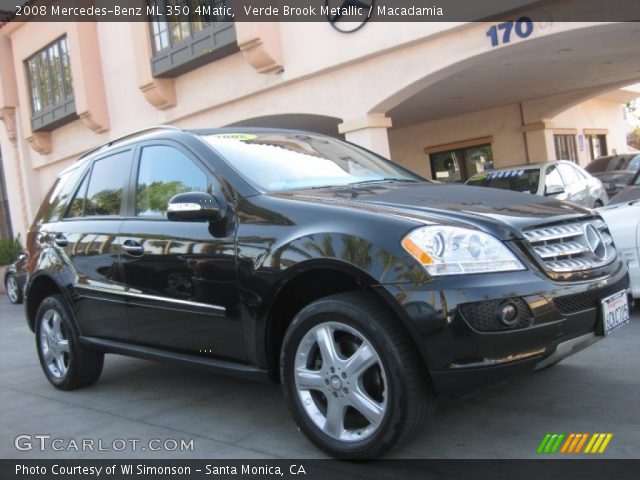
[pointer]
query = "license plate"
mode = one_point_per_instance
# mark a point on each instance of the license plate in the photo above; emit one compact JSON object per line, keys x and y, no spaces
{"x":615,"y":312}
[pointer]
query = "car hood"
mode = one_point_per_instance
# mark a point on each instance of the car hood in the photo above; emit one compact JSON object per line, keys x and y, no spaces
{"x":503,"y":213}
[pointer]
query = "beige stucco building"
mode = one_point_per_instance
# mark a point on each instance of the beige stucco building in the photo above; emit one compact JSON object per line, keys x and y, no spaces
{"x":438,"y":98}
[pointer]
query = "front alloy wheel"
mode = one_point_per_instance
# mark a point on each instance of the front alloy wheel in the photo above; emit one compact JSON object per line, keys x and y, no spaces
{"x":352,"y":378}
{"x":340,"y":381}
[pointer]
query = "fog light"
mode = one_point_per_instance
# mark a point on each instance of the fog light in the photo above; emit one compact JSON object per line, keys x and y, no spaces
{"x":507,"y":313}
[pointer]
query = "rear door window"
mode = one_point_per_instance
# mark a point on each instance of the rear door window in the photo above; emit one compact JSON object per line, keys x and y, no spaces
{"x":100,"y":193}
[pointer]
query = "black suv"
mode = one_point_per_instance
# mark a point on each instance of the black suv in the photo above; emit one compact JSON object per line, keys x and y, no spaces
{"x":362,"y":288}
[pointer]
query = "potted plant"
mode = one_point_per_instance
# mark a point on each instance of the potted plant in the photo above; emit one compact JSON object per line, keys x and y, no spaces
{"x":10,"y":250}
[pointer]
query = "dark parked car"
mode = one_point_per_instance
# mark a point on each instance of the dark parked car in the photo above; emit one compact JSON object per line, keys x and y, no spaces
{"x":365,"y":290}
{"x":629,"y":193}
{"x":615,"y":171}
{"x":15,"y":279}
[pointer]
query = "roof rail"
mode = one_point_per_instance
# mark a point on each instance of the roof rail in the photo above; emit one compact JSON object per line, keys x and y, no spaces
{"x":128,"y":135}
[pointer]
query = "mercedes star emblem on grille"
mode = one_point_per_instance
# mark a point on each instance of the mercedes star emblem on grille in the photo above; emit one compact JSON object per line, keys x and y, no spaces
{"x":595,"y":242}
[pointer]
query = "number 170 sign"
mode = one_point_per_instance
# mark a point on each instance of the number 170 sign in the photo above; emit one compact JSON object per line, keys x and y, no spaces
{"x":503,"y":33}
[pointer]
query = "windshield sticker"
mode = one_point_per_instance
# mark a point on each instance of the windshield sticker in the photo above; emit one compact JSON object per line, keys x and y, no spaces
{"x":235,"y":136}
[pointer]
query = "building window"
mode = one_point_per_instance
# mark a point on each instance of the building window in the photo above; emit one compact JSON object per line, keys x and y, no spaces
{"x":50,"y":86}
{"x":597,"y":146}
{"x":190,"y":39}
{"x":458,"y":165}
{"x":565,"y":147}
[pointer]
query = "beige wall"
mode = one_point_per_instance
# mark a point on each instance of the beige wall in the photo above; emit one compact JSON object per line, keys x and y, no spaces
{"x":503,"y":124}
{"x":598,"y":113}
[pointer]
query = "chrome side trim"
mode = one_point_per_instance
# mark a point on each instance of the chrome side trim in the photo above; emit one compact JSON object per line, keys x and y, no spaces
{"x":128,"y":293}
{"x":567,"y":348}
{"x":489,"y":362}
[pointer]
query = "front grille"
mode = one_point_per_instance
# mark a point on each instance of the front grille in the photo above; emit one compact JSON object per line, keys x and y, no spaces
{"x":590,"y":299}
{"x":566,"y":247}
{"x":482,"y":316}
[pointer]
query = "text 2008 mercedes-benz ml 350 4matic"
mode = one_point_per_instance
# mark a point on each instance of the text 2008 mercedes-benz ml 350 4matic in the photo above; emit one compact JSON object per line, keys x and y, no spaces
{"x":362,"y":288}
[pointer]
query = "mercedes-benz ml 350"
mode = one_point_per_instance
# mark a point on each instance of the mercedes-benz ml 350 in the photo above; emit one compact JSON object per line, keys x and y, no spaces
{"x":365,"y":290}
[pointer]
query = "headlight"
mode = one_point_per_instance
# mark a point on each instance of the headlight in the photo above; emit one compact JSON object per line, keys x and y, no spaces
{"x":444,"y":250}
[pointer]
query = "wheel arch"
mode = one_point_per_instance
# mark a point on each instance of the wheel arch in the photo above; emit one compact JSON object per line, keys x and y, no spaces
{"x":299,"y":288}
{"x":40,"y":287}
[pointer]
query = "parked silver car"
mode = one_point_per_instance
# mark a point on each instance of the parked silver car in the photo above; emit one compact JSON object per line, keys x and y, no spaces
{"x":559,"y":179}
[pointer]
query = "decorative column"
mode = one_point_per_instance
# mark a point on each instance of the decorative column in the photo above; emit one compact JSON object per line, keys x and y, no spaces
{"x":539,"y":138}
{"x":369,"y":132}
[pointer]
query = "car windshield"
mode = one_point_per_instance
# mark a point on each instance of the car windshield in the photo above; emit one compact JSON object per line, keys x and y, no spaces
{"x":623,"y":177}
{"x":614,"y":162}
{"x":523,"y":180}
{"x":277,"y":161}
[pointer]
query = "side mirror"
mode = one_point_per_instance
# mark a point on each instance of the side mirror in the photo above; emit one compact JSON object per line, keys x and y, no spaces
{"x":193,"y":207}
{"x":553,"y":190}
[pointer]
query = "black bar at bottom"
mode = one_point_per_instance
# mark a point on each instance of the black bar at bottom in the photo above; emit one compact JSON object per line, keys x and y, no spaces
{"x":583,"y":469}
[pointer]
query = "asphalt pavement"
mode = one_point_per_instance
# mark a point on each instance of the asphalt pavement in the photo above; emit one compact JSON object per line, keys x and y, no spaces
{"x":141,"y":409}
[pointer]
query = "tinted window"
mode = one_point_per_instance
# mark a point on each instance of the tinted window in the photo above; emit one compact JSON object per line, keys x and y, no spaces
{"x":164,"y":172}
{"x":553,"y":178}
{"x":56,"y":200}
{"x":516,"y":180}
{"x":77,"y":204}
{"x":600,"y":165}
{"x":615,"y":162}
{"x":103,"y":187}
{"x":569,"y":174}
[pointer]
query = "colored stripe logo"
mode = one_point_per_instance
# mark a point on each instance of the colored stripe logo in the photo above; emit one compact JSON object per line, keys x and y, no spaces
{"x":574,"y":443}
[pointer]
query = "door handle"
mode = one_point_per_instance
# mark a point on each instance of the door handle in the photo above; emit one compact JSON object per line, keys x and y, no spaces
{"x":131,"y":247}
{"x":60,"y":240}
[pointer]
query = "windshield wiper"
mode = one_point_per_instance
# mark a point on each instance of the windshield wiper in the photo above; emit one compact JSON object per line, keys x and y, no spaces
{"x":388,"y":179}
{"x":362,"y":182}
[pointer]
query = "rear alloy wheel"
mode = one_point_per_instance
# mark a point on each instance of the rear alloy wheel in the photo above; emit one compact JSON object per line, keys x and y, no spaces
{"x":13,"y":291}
{"x":352,"y":379}
{"x":66,"y":363}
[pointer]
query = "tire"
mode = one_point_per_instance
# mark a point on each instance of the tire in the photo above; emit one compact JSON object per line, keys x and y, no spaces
{"x":598,"y":204}
{"x":12,"y":288}
{"x":393,"y":377}
{"x":65,"y":362}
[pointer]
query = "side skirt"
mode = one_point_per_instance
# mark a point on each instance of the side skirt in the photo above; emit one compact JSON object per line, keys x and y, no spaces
{"x":224,"y":367}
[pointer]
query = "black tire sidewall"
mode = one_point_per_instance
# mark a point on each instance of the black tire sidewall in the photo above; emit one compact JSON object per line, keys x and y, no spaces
{"x":55,"y":303}
{"x":305,"y":321}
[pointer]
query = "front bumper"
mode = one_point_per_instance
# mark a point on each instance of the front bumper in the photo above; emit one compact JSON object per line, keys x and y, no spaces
{"x":462,"y":357}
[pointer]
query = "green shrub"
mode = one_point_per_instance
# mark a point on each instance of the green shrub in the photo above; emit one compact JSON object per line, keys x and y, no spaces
{"x":10,"y":249}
